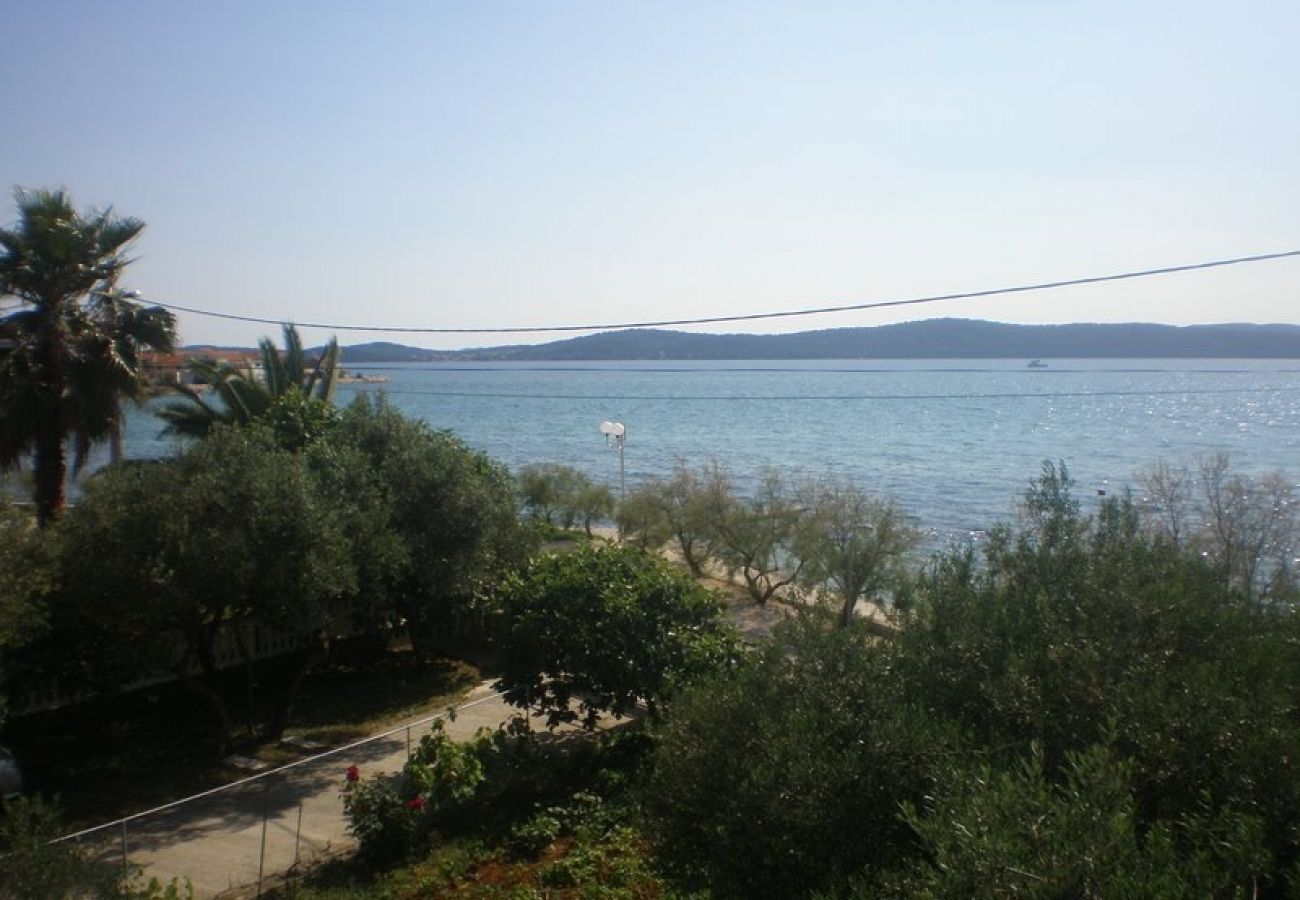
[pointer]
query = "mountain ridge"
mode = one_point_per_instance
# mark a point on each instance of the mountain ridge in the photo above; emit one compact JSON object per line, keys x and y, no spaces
{"x":924,"y":339}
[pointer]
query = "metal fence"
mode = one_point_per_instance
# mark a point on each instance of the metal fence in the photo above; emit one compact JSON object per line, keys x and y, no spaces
{"x":265,"y":829}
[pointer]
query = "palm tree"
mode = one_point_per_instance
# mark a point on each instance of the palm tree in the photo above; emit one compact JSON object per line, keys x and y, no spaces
{"x":242,"y":396}
{"x":71,"y":348}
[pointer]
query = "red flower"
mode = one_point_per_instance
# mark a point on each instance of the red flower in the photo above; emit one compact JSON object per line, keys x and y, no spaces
{"x":416,"y":803}
{"x":354,"y":774}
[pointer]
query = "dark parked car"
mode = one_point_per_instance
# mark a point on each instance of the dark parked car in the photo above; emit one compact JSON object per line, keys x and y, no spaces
{"x":11,"y":777}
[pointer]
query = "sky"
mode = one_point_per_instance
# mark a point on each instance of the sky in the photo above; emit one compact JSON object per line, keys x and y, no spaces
{"x":495,"y":165}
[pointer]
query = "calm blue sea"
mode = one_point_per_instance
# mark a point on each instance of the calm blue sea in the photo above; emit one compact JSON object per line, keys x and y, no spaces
{"x":955,"y":441}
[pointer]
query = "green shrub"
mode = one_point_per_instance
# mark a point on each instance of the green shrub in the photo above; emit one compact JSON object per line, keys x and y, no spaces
{"x":393,"y":816}
{"x":1015,"y":833}
{"x":1073,"y":632}
{"x":598,"y":630}
{"x":386,"y":827}
{"x":787,"y":773}
{"x":613,"y":864}
{"x":528,"y":839}
{"x":1080,"y":629}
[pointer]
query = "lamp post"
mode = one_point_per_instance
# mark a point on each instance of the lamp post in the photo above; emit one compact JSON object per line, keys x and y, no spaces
{"x":615,"y":437}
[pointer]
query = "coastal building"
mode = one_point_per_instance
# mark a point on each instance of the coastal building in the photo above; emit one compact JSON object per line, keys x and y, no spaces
{"x":173,"y":368}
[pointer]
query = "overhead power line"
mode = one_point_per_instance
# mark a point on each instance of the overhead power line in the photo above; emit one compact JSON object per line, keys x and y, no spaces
{"x":751,"y":317}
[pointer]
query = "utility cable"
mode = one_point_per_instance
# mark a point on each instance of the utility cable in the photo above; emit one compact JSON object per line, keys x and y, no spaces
{"x":750,"y":317}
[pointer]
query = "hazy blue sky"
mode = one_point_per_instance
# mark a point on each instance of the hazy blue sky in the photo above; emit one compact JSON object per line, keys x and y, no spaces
{"x":496,"y":164}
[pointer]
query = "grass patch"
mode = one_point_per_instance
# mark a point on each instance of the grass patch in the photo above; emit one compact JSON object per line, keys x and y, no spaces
{"x":342,"y":704}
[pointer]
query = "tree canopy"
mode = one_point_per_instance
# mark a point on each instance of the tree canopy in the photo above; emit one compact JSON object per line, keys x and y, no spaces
{"x":596,"y":630}
{"x":175,"y":554}
{"x":452,"y":509}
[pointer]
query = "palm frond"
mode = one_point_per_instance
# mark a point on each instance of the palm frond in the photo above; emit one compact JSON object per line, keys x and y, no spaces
{"x":324,"y":378}
{"x":294,"y":361}
{"x":273,"y":371}
{"x":193,"y":416}
{"x":190,"y":418}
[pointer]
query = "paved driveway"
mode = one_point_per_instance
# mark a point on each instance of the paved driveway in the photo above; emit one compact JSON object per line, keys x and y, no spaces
{"x":217,"y":842}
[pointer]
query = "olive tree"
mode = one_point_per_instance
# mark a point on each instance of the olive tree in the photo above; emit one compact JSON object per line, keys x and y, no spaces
{"x":172,"y":555}
{"x":1017,"y":832}
{"x":543,"y":488}
{"x":591,"y":502}
{"x":1247,"y":527}
{"x":454,"y":512}
{"x":672,"y":509}
{"x":851,"y":541}
{"x":558,"y":494}
{"x":786,"y":773}
{"x":751,"y":536}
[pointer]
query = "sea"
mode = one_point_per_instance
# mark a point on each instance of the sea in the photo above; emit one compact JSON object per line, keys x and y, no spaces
{"x":954,"y":442}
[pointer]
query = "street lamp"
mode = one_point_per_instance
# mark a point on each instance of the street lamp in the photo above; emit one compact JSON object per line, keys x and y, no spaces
{"x":615,"y":437}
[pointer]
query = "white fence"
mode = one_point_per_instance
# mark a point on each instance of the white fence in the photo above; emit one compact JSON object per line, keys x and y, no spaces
{"x":259,"y":640}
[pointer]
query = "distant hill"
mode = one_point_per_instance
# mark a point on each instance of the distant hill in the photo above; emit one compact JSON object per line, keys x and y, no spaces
{"x":927,"y":339}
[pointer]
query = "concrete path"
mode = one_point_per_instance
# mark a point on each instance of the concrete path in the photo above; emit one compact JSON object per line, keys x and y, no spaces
{"x":217,"y":841}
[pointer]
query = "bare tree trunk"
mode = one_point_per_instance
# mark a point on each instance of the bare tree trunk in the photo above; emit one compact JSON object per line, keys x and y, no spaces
{"x":317,"y":651}
{"x":687,"y":545}
{"x":846,"y":613}
{"x":50,"y":470}
{"x":250,"y":679}
{"x":207,"y":685}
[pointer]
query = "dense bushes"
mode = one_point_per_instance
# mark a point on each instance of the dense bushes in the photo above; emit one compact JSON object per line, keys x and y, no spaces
{"x":1081,"y":630}
{"x":787,"y":773}
{"x":35,"y":865}
{"x":511,"y":788}
{"x":1087,"y":711}
{"x":1016,"y":832}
